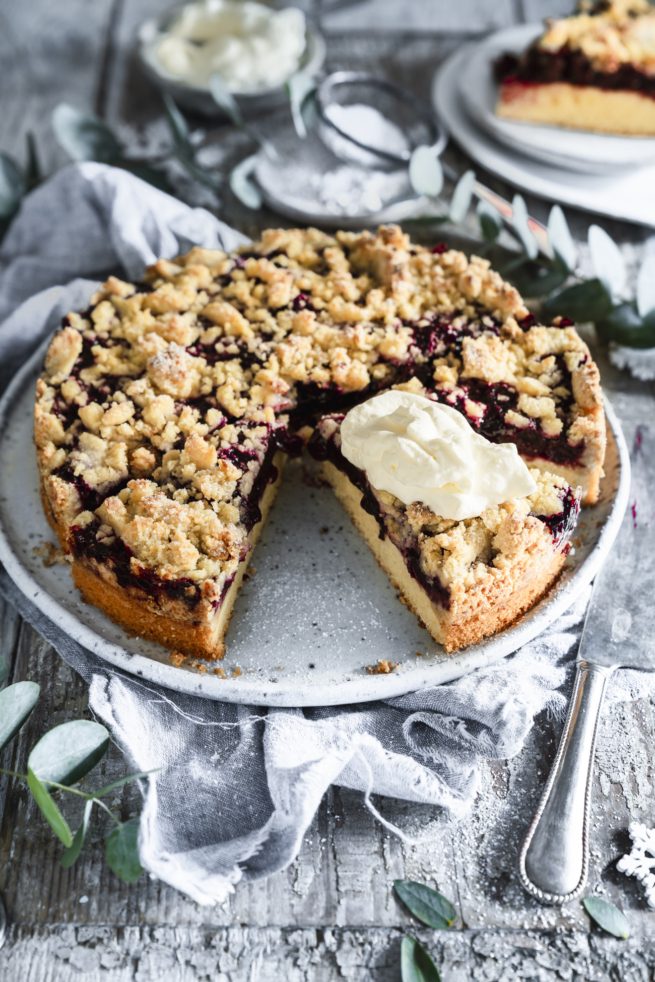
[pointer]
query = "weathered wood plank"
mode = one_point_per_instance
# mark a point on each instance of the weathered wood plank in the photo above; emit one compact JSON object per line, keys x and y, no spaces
{"x":242,"y":954}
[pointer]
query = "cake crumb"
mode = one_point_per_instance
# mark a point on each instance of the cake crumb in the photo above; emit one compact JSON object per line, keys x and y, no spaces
{"x":236,"y":672}
{"x":49,"y":553}
{"x":382,"y":667}
{"x":177,"y":658}
{"x":220,"y":672}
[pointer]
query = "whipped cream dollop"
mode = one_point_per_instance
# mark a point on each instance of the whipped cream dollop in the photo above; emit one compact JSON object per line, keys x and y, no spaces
{"x":420,"y":450}
{"x":251,"y":46}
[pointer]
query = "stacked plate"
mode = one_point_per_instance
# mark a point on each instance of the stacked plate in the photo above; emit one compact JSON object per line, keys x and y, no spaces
{"x":608,"y":175}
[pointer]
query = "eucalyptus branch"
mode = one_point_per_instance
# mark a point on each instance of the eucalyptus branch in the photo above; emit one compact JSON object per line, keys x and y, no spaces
{"x":56,"y":763}
{"x":553,"y":284}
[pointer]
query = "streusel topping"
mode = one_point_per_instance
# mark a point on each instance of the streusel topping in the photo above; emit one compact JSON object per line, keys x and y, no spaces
{"x":609,"y":35}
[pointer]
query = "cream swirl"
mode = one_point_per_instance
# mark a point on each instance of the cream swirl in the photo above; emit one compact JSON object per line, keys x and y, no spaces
{"x":421,"y":450}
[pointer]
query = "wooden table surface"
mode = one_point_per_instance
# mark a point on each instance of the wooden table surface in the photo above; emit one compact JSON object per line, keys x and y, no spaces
{"x":331,"y":914}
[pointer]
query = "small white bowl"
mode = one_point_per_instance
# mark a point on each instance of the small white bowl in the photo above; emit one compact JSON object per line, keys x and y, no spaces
{"x":198,"y":98}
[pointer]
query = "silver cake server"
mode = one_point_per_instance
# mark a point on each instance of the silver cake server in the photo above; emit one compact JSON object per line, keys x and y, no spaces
{"x":619,"y":632}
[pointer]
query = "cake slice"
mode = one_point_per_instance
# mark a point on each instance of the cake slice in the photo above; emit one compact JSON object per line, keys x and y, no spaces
{"x":465,"y":578}
{"x":594,"y":70}
{"x":158,"y":463}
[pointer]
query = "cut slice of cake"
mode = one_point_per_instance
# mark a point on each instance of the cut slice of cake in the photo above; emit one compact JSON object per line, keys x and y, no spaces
{"x":594,"y":70}
{"x":470,"y":561}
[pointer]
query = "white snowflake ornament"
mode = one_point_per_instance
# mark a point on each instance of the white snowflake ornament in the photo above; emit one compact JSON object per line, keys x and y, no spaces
{"x":640,"y":861}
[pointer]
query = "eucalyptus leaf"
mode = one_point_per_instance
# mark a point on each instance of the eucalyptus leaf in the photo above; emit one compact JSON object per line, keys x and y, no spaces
{"x":415,"y":963}
{"x":607,"y":260}
{"x":521,"y":226}
{"x":224,"y":98}
{"x":12,"y":186}
{"x":461,"y":199}
{"x":49,"y":809}
{"x":490,"y":221}
{"x":122,"y":851}
{"x":646,"y":287}
{"x":587,"y":301}
{"x":538,"y":280}
{"x":425,"y":172}
{"x":72,"y":853}
{"x":16,"y":703}
{"x":84,"y":136}
{"x":33,"y":170}
{"x":298,"y":88}
{"x":426,"y":904}
{"x":69,"y":751}
{"x":623,"y":325}
{"x":607,"y":916}
{"x":243,"y":185}
{"x":177,"y":124}
{"x":560,"y":238}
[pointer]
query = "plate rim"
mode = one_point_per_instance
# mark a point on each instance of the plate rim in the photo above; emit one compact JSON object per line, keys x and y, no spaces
{"x":367,"y":688}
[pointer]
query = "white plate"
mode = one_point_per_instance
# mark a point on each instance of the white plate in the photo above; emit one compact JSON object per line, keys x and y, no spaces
{"x":627,"y":195}
{"x":318,"y":609}
{"x":589,"y":153}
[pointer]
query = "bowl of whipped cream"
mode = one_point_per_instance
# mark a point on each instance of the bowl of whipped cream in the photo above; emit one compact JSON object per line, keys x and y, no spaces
{"x":252,"y":47}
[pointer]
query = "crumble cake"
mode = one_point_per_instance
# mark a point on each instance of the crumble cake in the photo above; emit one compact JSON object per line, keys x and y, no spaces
{"x":594,"y":70}
{"x":165,"y":410}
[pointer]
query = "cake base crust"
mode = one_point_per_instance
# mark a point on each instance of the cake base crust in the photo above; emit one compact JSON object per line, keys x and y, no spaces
{"x":578,"y":107}
{"x":197,"y":636}
{"x":485,"y":613}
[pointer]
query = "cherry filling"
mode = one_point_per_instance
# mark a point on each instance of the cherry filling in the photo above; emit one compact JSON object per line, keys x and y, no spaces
{"x":539,"y":67}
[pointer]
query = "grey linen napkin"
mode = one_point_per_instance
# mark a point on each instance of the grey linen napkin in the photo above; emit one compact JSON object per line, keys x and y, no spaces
{"x":237,"y":786}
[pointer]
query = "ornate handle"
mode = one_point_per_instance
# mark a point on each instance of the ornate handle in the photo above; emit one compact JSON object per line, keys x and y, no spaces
{"x":555,"y":855}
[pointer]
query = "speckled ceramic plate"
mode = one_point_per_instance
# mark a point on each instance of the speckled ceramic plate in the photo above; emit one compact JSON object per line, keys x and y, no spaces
{"x":317,"y":610}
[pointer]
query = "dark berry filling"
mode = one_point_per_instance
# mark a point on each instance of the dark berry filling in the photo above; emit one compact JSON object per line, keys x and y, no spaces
{"x":497,"y":398}
{"x":115,"y":553}
{"x":267,"y":473}
{"x":537,"y":67}
{"x":302,"y":302}
{"x":322,"y":449}
{"x":442,"y":334}
{"x":562,"y":523}
{"x":90,"y":498}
